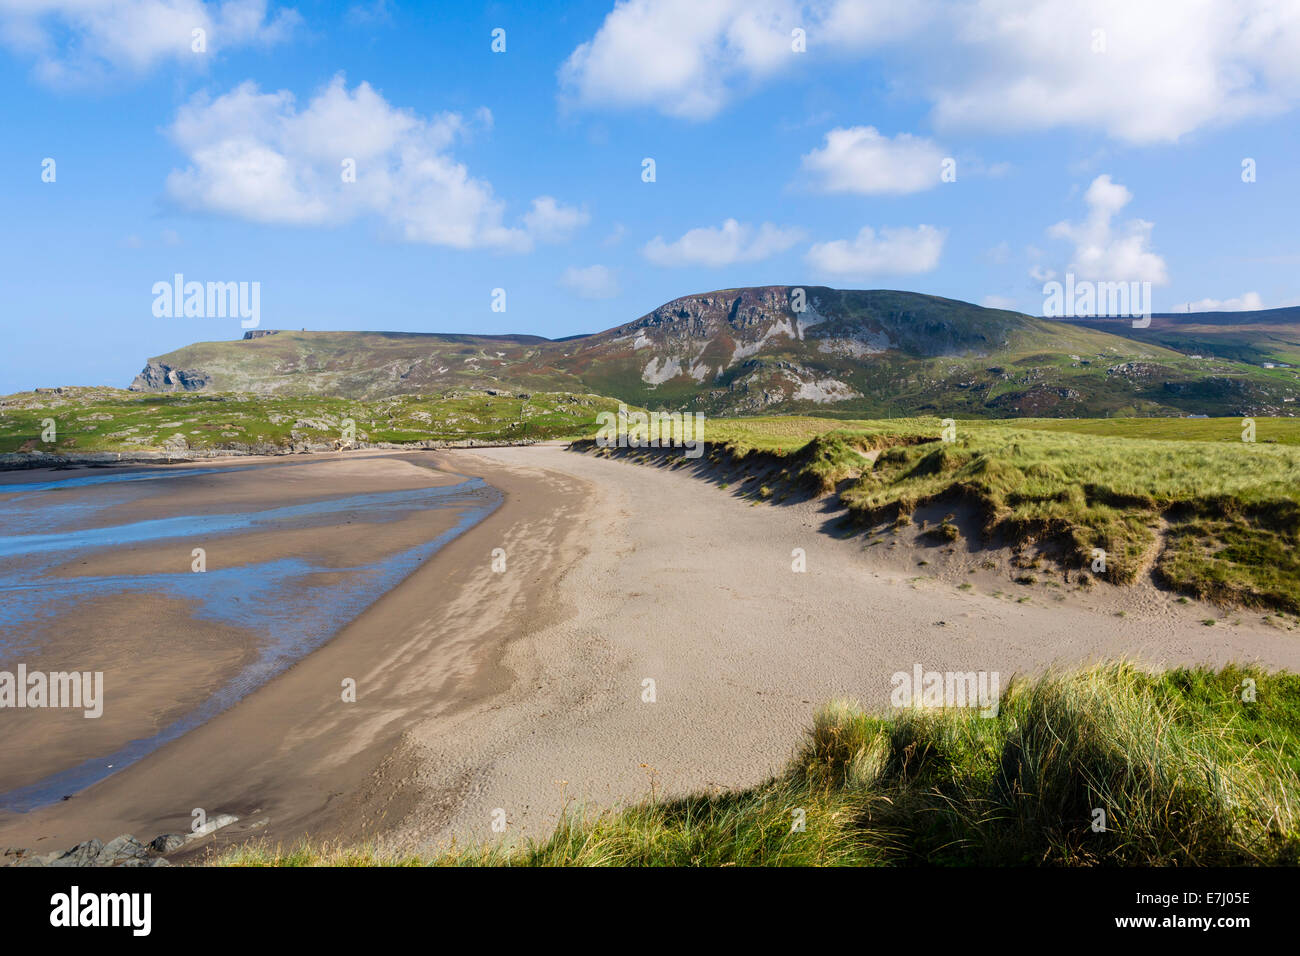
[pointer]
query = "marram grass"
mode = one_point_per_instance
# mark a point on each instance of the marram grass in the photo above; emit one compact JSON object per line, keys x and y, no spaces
{"x":1190,"y":767}
{"x":1210,"y":516}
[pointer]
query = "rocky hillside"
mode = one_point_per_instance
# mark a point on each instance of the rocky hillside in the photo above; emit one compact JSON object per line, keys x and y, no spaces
{"x":744,"y":351}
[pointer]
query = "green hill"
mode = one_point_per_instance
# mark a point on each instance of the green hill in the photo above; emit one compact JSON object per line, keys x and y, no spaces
{"x":1269,"y":336}
{"x":752,"y":351}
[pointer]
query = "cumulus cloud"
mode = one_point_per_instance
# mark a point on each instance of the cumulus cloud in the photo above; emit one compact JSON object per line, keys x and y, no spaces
{"x":678,"y":56}
{"x":1105,"y":252}
{"x":552,"y":221}
{"x":370,"y":14}
{"x":896,"y":251}
{"x":860,"y":160}
{"x":347,"y":153}
{"x":591,"y":282}
{"x":1141,"y":72}
{"x":83,"y":41}
{"x":1247,"y":302}
{"x":733,"y":242}
{"x":615,"y":235}
{"x":1157,"y":70}
{"x":1000,"y":254}
{"x":688,"y":59}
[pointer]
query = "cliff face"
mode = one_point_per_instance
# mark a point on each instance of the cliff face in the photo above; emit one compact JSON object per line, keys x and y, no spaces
{"x":746,"y":350}
{"x":158,"y":376}
{"x":740,"y":351}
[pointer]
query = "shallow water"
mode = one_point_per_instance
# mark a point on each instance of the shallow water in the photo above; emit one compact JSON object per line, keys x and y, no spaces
{"x":293,"y":605}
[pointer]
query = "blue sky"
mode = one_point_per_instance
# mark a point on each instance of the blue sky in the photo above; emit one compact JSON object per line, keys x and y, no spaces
{"x":1115,"y":155}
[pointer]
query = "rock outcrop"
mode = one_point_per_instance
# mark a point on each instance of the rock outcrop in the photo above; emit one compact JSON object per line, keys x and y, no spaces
{"x":159,"y":377}
{"x":124,"y":850}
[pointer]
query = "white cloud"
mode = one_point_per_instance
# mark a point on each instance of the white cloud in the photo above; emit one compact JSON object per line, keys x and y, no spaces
{"x":734,"y":242}
{"x":369,"y":14}
{"x":688,"y":58}
{"x":591,"y":282}
{"x":860,"y":160}
{"x":1000,"y":254}
{"x":83,"y":41}
{"x":552,"y":221}
{"x":615,"y":235}
{"x":998,"y":302}
{"x":1103,"y":252}
{"x":678,"y":56}
{"x":898,"y":251}
{"x":1247,"y":302}
{"x":1168,"y":67}
{"x":257,"y":156}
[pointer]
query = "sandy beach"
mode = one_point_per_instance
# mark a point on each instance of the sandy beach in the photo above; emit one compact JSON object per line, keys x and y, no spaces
{"x":647,"y":631}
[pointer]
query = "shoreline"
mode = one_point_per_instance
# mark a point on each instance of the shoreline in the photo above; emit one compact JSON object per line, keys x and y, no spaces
{"x":55,"y":461}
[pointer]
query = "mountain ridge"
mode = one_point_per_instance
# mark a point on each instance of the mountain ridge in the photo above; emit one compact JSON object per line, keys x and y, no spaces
{"x":754,"y":350}
{"x":1258,"y":337}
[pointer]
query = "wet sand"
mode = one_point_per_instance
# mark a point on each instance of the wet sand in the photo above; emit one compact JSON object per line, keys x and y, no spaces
{"x":524,"y":690}
{"x":168,"y":658}
{"x":294,"y":752}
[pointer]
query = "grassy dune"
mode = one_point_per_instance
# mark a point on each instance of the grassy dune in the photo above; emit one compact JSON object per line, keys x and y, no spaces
{"x":1211,"y":515}
{"x":786,"y":433}
{"x":1189,"y":767}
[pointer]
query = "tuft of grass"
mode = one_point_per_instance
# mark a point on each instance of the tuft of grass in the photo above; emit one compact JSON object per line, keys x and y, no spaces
{"x":1186,"y":767}
{"x":944,"y":532}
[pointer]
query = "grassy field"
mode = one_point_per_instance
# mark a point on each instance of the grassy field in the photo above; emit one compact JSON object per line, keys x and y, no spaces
{"x":778,"y":433}
{"x":1187,"y":768}
{"x":106,"y":419}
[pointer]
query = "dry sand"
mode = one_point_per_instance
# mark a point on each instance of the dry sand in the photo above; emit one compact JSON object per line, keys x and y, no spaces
{"x":692,"y":587}
{"x":524,"y":691}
